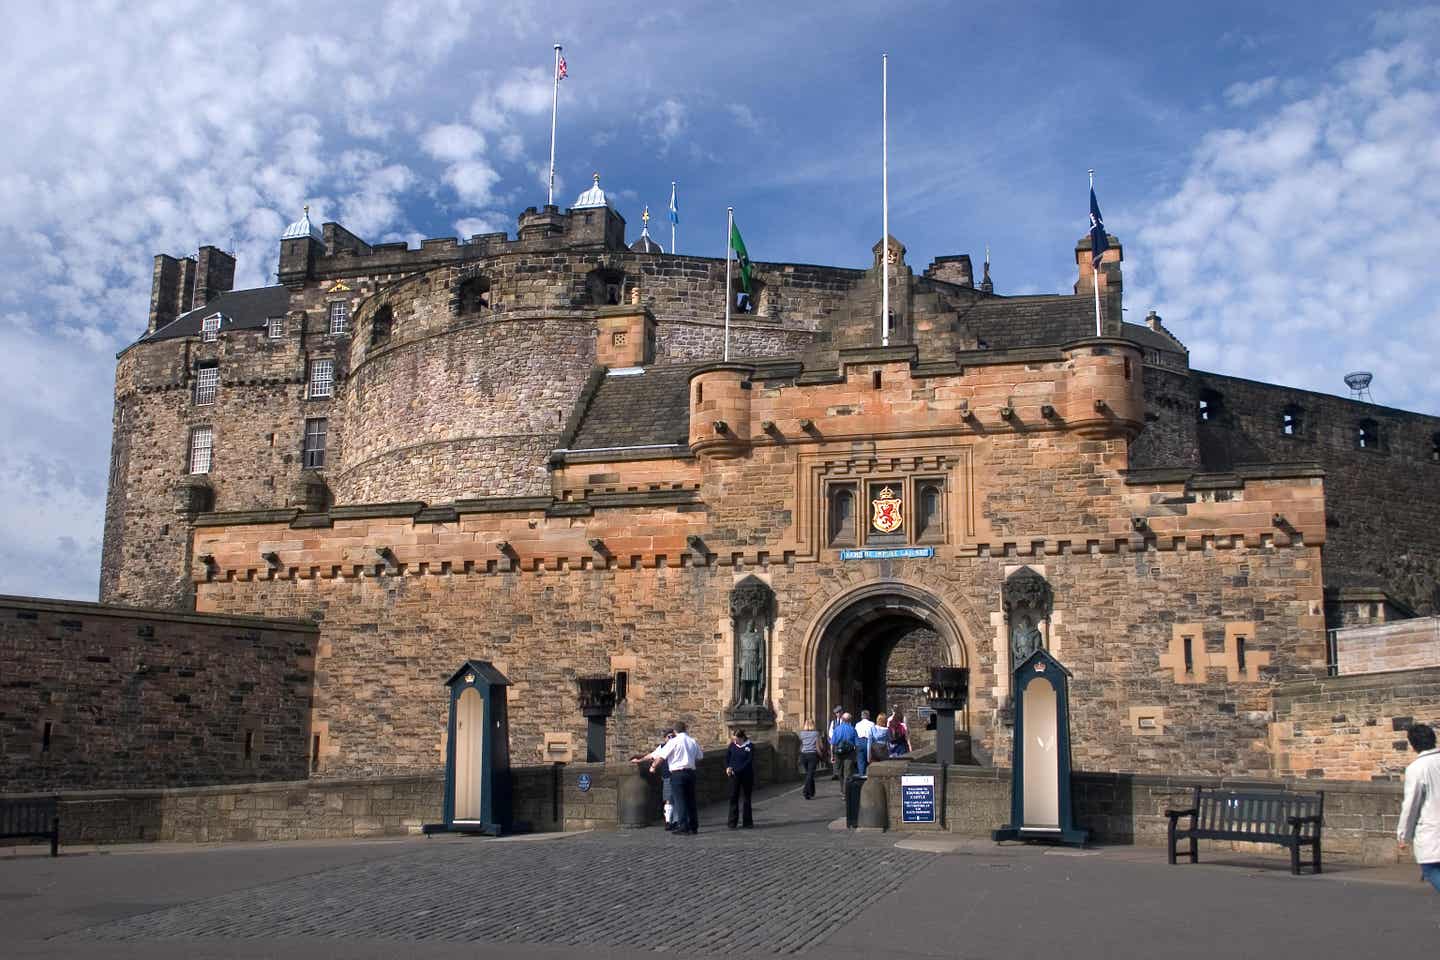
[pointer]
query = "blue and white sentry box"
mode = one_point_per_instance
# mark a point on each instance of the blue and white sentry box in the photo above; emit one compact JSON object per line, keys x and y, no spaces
{"x":917,"y":799}
{"x":894,"y":553}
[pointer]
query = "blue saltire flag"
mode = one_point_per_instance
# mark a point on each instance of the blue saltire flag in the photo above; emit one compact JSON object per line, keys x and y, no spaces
{"x":1099,"y":243}
{"x":674,"y":209}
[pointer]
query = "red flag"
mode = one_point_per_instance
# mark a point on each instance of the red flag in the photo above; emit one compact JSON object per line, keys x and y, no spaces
{"x":561,"y":72}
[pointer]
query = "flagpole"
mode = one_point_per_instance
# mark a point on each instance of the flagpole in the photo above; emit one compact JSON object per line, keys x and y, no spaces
{"x":1095,"y":271}
{"x":885,"y":203}
{"x":729,"y":231}
{"x":672,"y":218}
{"x":554,"y":106}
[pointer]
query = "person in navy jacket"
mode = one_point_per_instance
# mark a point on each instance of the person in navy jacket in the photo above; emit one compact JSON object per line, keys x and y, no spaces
{"x":740,"y":768}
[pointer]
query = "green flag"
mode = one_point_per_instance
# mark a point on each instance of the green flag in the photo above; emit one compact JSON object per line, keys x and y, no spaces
{"x":741,"y":255}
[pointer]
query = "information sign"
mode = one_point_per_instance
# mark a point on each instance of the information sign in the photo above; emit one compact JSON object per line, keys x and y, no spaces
{"x":917,"y":799}
{"x":893,"y":553}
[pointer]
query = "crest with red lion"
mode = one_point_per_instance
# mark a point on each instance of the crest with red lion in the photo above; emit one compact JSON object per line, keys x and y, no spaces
{"x":886,"y":517}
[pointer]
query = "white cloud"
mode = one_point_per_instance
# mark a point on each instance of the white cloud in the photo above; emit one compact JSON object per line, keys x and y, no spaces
{"x":452,"y":141}
{"x":1244,"y":94}
{"x":744,"y":117}
{"x":666,"y":121}
{"x":1317,"y":224}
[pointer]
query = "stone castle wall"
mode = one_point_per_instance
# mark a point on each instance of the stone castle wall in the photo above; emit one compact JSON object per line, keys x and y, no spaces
{"x":1352,"y":727}
{"x":98,"y":696}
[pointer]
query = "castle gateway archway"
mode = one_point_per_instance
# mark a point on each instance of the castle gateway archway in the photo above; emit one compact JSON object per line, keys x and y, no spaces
{"x":873,"y":649}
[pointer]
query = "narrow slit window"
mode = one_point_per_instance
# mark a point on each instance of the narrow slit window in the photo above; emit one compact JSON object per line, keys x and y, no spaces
{"x":315,"y":752}
{"x":622,"y":685}
{"x":875,"y":377}
{"x":249,"y":745}
{"x":1189,"y":654}
{"x":1240,"y":652}
{"x":45,"y":737}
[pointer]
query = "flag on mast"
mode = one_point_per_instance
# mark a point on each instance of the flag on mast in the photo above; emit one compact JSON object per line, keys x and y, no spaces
{"x":742,"y":258}
{"x":1099,"y":243}
{"x":674,"y":208}
{"x":561,"y":69}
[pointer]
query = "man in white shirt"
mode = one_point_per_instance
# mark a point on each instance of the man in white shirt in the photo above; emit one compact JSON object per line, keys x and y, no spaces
{"x":682,"y":754}
{"x":1420,"y":813}
{"x":863,"y":730}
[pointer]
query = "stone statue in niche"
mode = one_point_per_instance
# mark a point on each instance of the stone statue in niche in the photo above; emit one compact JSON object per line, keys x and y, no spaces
{"x":1028,"y":601}
{"x":752,"y":619}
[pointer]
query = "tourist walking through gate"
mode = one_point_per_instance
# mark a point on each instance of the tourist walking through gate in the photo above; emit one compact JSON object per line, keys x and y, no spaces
{"x":682,"y":753}
{"x":1420,"y":812}
{"x":880,"y":739}
{"x":899,"y":734}
{"x":830,"y":739}
{"x":809,"y":757}
{"x":863,"y":730}
{"x":842,"y":748}
{"x":740,"y":768}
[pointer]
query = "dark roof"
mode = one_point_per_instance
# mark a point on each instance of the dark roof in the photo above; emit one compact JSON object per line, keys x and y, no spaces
{"x":1005,"y":323}
{"x":241,"y":310}
{"x":1145,"y":337}
{"x":637,"y":410}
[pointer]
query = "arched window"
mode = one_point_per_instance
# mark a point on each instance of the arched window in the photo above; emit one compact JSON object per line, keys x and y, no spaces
{"x":1210,"y":406}
{"x":1367,"y":435}
{"x":1292,"y":419}
{"x":931,"y":520}
{"x":842,"y":515}
{"x":381,"y":326}
{"x":473,"y":296}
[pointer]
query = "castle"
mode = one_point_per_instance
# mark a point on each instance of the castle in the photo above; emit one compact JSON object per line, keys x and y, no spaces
{"x":529,"y":450}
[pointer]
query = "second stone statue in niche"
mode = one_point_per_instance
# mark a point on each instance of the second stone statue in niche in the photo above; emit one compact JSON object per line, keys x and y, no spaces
{"x":752,"y":620}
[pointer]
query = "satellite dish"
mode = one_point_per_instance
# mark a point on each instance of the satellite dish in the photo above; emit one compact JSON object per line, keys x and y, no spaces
{"x":1359,"y":384}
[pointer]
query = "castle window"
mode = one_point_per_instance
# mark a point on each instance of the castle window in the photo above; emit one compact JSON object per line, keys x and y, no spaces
{"x":1367,"y":435}
{"x":1290,"y":421}
{"x":1434,"y":446}
{"x":275,"y":328}
{"x":339,"y":318}
{"x":322,"y":379}
{"x":313,"y":450}
{"x":841,"y":521}
{"x":699,"y":393}
{"x":210,"y":328}
{"x":1189,"y":644}
{"x":752,"y":301}
{"x":473,"y":296}
{"x":605,"y":286}
{"x":1210,"y":406}
{"x":381,"y":326}
{"x":931,"y":520}
{"x":207,"y":383}
{"x":202,"y":449}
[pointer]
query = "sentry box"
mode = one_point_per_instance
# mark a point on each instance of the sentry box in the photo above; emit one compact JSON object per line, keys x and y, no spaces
{"x":1040,"y":791}
{"x":477,"y":753}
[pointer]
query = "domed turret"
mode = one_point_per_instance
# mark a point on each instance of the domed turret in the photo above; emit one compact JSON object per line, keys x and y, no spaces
{"x":303,"y":228}
{"x":646,"y":244}
{"x":594,"y":197}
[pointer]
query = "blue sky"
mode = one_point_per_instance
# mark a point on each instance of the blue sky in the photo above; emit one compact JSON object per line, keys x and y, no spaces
{"x":1273,"y":170}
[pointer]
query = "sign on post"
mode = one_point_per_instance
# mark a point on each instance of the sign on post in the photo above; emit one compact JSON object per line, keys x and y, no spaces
{"x":917,"y":799}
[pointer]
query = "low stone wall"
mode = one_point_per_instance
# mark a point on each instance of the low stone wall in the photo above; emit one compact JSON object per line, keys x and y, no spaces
{"x":544,"y":798}
{"x":1402,"y":645}
{"x":1121,"y":808}
{"x":1351,"y":728}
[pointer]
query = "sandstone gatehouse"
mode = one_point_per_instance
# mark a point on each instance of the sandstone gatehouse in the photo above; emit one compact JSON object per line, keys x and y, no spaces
{"x":531,"y":451}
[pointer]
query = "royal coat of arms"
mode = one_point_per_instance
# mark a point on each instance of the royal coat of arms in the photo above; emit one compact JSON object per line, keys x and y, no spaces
{"x":886,"y":517}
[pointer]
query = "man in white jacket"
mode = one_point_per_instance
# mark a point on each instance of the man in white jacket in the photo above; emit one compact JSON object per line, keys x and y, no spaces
{"x":1420,"y":813}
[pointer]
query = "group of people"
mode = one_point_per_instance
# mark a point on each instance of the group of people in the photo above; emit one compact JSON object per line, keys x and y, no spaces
{"x":850,"y":747}
{"x":676,"y":759}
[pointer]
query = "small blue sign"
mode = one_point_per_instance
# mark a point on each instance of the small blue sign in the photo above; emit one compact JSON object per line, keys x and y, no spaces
{"x":583,"y":783}
{"x":917,"y":799}
{"x":894,"y":553}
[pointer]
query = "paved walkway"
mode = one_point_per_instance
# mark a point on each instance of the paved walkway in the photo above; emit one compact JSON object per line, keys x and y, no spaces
{"x":793,"y":885}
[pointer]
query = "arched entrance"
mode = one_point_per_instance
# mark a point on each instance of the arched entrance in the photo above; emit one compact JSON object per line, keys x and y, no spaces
{"x":873,"y":648}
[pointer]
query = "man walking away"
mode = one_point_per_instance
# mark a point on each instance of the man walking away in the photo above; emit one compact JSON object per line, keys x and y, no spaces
{"x":682,"y":753}
{"x":1420,"y":813}
{"x":741,"y":771}
{"x":863,"y":731}
{"x":830,"y":739}
{"x":842,"y":744}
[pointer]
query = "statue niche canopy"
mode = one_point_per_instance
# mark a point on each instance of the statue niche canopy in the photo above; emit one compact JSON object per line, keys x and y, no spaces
{"x":1028,"y":601}
{"x":752,"y":621}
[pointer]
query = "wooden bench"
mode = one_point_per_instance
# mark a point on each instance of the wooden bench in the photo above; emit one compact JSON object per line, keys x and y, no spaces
{"x":1291,"y":820}
{"x":37,"y":817}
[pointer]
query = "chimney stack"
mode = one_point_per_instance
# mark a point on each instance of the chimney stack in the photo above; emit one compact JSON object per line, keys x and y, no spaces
{"x":214,"y":274}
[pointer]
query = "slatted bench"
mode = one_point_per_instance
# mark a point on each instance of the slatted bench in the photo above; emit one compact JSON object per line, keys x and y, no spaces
{"x":37,"y":817}
{"x":1292,"y":820}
